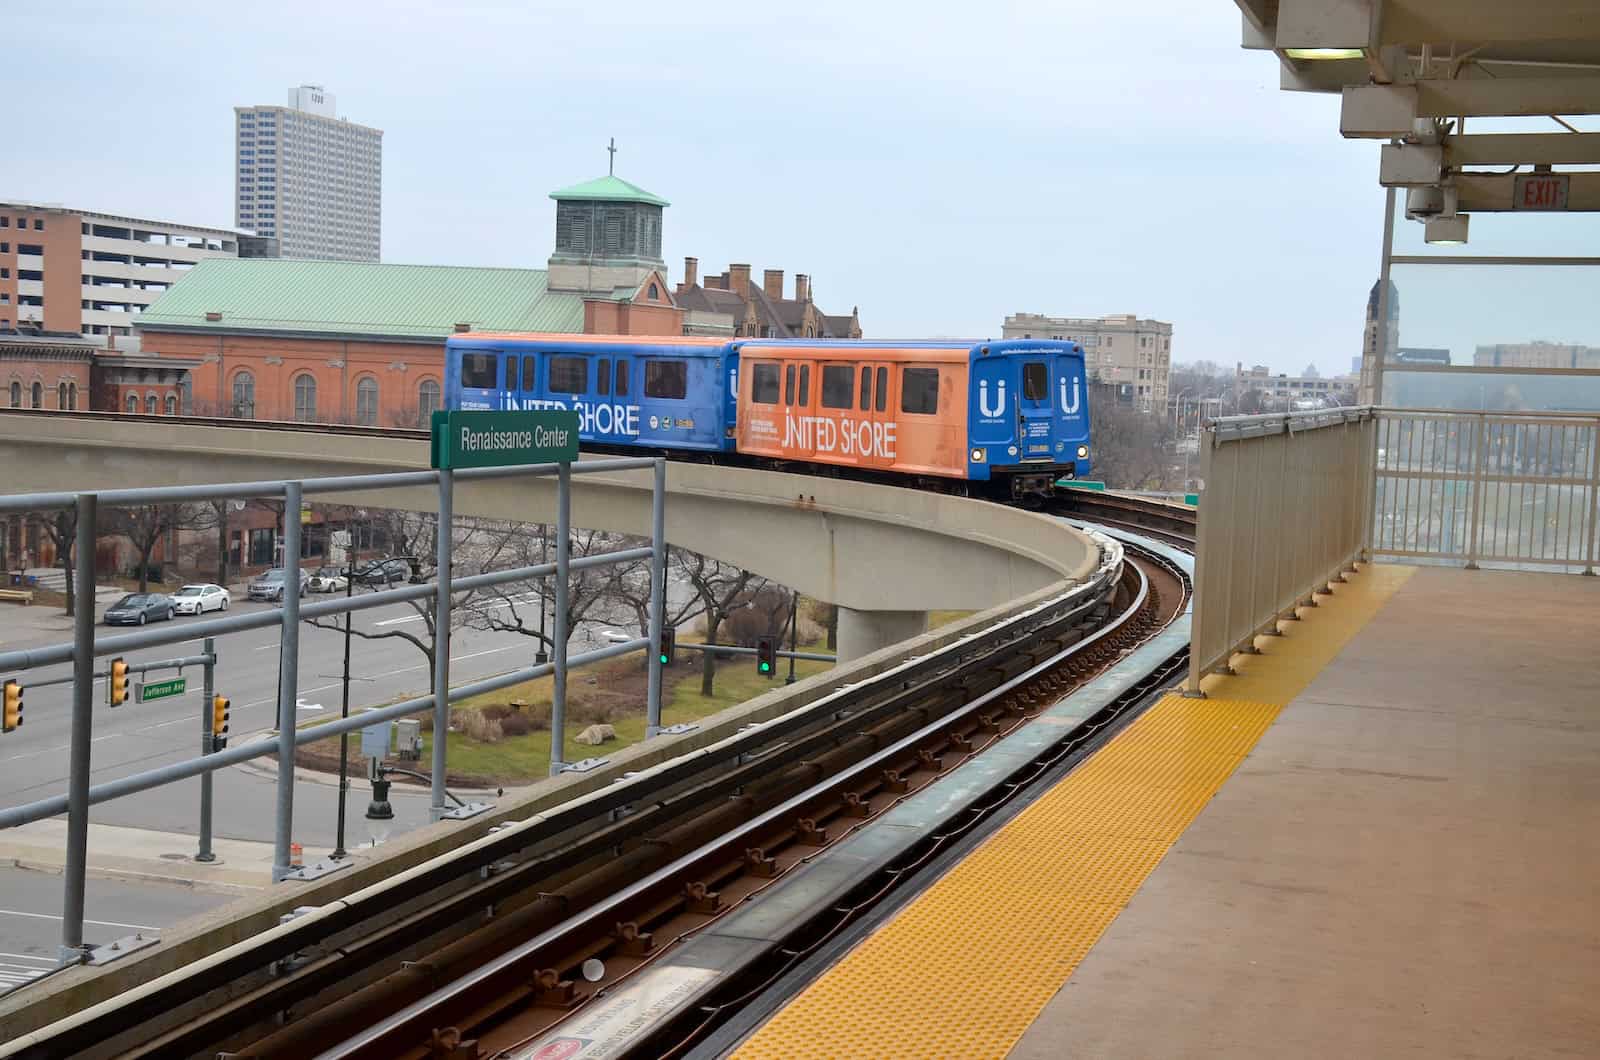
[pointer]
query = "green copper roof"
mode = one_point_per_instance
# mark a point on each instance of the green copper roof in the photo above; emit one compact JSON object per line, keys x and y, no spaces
{"x":360,"y":298}
{"x":609,"y":189}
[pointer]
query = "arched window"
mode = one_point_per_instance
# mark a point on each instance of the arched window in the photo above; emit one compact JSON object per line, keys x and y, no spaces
{"x":367,"y":401}
{"x":305,"y":397}
{"x":655,"y":293}
{"x":244,"y":396}
{"x":16,"y":395}
{"x":61,"y":395}
{"x":133,"y":402}
{"x":72,"y":396}
{"x":150,"y":405}
{"x":172,"y":404}
{"x":38,"y":395}
{"x":428,"y":399}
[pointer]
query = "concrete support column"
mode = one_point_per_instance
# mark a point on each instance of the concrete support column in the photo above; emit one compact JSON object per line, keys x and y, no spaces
{"x":864,"y":632}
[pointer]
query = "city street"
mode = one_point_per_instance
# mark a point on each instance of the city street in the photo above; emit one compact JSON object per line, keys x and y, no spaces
{"x":140,"y":736}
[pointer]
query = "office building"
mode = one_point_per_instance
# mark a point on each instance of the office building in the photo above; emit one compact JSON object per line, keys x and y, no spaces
{"x":308,"y":179}
{"x":1123,"y":350}
{"x":72,"y":271}
{"x":1537,"y":355}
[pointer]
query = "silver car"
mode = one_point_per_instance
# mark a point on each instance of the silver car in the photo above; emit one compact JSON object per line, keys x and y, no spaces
{"x":270,"y":584}
{"x":198,"y":599}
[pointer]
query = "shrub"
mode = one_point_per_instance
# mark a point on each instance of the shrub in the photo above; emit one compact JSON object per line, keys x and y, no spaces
{"x":516,"y":724}
{"x":479,"y":727}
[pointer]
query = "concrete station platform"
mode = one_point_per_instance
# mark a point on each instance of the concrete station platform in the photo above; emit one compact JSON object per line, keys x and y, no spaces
{"x":1382,"y":838}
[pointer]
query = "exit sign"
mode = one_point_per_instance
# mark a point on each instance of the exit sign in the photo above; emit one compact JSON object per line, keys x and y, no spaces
{"x":1540,"y":191}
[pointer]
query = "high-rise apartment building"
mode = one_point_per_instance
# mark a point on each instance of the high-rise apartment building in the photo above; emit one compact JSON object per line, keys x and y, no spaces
{"x":309,"y":179}
{"x":68,"y":270}
{"x":1132,"y":353}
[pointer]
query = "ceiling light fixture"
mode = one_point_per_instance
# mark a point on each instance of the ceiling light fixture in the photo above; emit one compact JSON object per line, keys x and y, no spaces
{"x":1447,"y":231}
{"x":1324,"y":53}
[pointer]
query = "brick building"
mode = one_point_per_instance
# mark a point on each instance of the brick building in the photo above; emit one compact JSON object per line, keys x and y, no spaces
{"x":730,"y":304}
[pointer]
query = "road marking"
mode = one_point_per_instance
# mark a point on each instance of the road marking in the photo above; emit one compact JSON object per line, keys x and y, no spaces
{"x":302,"y":692}
{"x":400,"y":621}
{"x":488,"y":651}
{"x":102,"y":923}
{"x":30,"y":754}
{"x":300,"y":704}
{"x":267,"y":647}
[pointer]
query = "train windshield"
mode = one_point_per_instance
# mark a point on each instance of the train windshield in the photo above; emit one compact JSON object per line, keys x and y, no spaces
{"x":1035,"y":381}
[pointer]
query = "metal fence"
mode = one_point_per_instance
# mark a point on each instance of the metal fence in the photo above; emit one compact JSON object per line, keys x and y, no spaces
{"x":1498,"y":488}
{"x":86,"y":646}
{"x":1283,"y":513}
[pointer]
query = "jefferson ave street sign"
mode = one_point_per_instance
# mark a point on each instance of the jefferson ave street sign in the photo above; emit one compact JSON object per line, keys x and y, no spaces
{"x":172,"y":686}
{"x":503,"y":439}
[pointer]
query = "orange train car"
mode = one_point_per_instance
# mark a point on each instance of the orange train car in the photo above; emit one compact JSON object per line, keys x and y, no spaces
{"x":1010,"y":417}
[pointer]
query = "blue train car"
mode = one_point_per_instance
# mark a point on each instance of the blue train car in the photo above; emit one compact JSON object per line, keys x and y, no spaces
{"x":1028,"y":413}
{"x":656,"y":392}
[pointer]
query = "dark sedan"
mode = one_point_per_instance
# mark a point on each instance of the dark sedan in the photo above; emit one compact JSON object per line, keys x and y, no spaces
{"x":385,"y":572}
{"x":136,"y":609}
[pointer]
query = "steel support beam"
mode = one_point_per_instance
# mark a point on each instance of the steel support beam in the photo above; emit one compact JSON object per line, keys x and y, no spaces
{"x":1511,"y":149}
{"x":1493,"y":192}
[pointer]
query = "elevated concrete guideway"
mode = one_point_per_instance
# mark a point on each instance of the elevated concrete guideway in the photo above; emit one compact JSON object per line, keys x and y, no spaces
{"x":880,"y":552}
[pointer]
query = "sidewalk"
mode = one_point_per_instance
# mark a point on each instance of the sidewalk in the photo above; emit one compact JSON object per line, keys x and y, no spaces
{"x":141,"y":855}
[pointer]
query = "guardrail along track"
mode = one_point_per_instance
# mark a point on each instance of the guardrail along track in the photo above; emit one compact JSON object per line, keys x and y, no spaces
{"x":521,"y":973}
{"x":1172,"y":524}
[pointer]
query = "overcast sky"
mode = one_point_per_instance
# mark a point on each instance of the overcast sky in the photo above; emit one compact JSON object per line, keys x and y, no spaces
{"x":939,"y":165}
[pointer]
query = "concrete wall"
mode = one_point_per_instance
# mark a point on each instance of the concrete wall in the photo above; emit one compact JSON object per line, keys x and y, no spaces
{"x":865,"y":547}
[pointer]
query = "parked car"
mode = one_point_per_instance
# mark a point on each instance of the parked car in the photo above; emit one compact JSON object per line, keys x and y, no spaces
{"x":327,"y":580}
{"x":270,"y":584}
{"x":136,"y":609}
{"x":392,"y":571}
{"x":198,"y":599}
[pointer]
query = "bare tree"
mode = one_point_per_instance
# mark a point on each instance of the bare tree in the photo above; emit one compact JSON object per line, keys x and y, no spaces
{"x":593,"y":593}
{"x":718,"y":588}
{"x":62,"y":529}
{"x":1133,"y":449}
{"x":145,"y":525}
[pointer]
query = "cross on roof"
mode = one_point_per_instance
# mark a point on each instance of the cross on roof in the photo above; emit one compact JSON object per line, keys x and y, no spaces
{"x":611,"y":163}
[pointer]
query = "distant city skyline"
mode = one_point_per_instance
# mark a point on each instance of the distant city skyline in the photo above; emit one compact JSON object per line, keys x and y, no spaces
{"x":894,"y":167}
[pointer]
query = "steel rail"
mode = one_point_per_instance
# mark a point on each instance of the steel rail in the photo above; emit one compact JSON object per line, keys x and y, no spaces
{"x":567,"y":934}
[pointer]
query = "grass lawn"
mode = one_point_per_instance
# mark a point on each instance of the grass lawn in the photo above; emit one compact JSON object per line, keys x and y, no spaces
{"x":613,"y":692}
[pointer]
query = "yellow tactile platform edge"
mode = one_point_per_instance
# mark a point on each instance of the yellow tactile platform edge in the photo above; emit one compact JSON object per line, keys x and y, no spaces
{"x":966,"y":967}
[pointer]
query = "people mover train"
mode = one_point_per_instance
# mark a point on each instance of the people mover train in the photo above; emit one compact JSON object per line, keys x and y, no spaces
{"x":1006,"y":418}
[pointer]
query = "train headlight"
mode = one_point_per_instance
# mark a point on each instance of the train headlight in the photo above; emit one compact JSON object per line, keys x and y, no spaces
{"x":1083,"y":452}
{"x":978,"y":456}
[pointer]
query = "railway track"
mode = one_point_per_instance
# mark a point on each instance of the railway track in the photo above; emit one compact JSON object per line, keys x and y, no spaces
{"x":502,"y":986}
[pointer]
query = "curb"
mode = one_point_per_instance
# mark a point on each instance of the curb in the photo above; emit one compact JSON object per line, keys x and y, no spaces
{"x":103,"y":872}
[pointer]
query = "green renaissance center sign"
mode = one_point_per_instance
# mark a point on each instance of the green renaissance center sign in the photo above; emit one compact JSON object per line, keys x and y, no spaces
{"x":504,"y":439}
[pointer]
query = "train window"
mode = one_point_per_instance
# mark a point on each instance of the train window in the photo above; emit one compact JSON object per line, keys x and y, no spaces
{"x":569,"y":375}
{"x":478,"y":371}
{"x":511,"y":373}
{"x":805,"y":386}
{"x":883,"y":390}
{"x":529,"y":376}
{"x":1035,"y":381}
{"x":622,"y":379}
{"x":602,"y":377}
{"x":666,"y":379}
{"x":866,"y":389}
{"x":837,"y":389}
{"x":788,"y":385}
{"x":764,"y":384}
{"x":919,"y":391}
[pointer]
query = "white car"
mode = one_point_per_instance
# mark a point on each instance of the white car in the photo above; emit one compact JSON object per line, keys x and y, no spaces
{"x":197,"y":599}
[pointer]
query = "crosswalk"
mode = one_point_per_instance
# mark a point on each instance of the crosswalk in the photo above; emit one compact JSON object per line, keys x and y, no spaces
{"x":20,"y":969}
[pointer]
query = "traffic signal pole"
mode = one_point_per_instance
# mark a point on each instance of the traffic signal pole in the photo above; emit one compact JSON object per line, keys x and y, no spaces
{"x":82,"y":734}
{"x":207,"y":745}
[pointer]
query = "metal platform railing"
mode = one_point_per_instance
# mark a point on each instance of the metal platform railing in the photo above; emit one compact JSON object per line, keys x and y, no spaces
{"x":1487,"y":488}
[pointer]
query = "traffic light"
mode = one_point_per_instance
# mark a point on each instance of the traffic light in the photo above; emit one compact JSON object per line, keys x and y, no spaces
{"x":669,"y":646}
{"x":117,"y":683}
{"x":219,"y":721}
{"x":766,"y":656}
{"x":13,"y":707}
